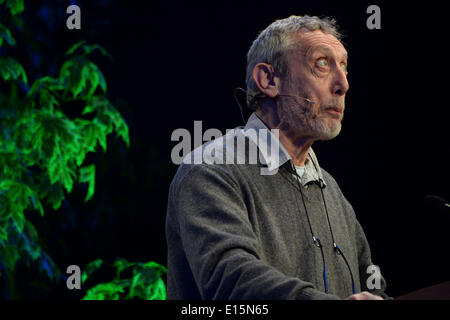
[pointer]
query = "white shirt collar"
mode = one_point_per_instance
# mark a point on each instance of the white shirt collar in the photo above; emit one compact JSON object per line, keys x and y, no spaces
{"x":313,"y":172}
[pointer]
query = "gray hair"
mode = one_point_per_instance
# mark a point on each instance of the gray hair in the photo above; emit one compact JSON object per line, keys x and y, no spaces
{"x":273,"y":43}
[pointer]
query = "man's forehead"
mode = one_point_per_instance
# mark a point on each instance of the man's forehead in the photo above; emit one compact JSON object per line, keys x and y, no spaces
{"x":317,"y":39}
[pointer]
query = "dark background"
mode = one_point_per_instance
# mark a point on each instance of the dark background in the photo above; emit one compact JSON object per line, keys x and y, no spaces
{"x":179,"y":62}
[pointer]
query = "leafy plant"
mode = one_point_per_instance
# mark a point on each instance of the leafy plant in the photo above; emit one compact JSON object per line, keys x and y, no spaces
{"x":132,"y":280}
{"x":47,"y":129}
{"x":14,"y":6}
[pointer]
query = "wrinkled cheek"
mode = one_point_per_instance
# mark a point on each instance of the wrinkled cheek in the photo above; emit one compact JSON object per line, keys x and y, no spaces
{"x":314,"y":113}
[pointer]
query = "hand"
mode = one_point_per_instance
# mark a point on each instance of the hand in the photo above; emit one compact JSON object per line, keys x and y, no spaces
{"x":364,"y":296}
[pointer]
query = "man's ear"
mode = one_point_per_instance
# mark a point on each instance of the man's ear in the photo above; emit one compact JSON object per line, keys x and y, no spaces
{"x":266,"y":79}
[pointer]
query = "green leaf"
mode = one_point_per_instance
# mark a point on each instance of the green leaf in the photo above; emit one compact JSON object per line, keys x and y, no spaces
{"x":108,"y":115}
{"x":88,"y":49}
{"x":87,"y":175}
{"x":94,"y":132}
{"x":90,"y":268}
{"x":122,"y":130}
{"x":3,"y":233}
{"x":5,"y":217}
{"x":121,"y":264}
{"x":16,"y":197}
{"x":145,"y":283}
{"x":134,"y":284}
{"x":106,"y":291}
{"x":150,"y":285}
{"x":47,"y":99}
{"x":101,"y":78}
{"x":54,"y":195}
{"x":72,"y":49}
{"x":9,"y":164}
{"x":156,"y":266}
{"x":60,"y":171}
{"x":6,"y":35}
{"x":30,"y":245}
{"x":81,"y":77}
{"x":156,"y":291}
{"x":46,"y":82}
{"x":71,"y":77}
{"x":45,"y":91}
{"x":14,"y":6}
{"x":58,"y":142}
{"x":11,"y":69}
{"x":37,"y":205}
{"x":10,"y":255}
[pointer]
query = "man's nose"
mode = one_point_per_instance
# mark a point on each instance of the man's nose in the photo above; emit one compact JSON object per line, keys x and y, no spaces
{"x":340,"y":83}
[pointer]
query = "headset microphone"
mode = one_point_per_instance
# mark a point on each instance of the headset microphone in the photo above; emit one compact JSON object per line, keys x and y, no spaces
{"x":294,"y":96}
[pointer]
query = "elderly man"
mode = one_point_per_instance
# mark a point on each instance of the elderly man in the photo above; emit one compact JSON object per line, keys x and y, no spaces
{"x":235,"y":233}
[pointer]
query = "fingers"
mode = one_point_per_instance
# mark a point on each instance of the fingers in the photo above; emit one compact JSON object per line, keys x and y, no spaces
{"x":364,"y":296}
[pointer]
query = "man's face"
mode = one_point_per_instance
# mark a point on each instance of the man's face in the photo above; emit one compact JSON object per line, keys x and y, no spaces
{"x":317,"y":67}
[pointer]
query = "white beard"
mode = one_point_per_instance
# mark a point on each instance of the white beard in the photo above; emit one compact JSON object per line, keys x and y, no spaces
{"x":303,"y":120}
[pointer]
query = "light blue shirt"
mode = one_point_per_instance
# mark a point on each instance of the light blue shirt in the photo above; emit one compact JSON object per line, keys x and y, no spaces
{"x":300,"y":171}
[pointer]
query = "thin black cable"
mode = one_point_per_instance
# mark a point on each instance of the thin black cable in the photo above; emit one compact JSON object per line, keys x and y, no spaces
{"x":316,"y":241}
{"x":348,"y":266}
{"x":328,"y":218}
{"x":237,"y":100}
{"x":336,"y":247}
{"x":303,"y":200}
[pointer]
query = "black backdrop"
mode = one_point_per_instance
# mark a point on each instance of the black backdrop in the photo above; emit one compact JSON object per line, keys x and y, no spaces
{"x":179,"y":62}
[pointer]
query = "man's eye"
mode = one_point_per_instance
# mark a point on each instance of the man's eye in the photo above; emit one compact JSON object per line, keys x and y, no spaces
{"x":322,"y":62}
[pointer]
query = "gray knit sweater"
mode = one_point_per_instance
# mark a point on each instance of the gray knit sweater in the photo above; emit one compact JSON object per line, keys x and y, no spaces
{"x":233,"y":233}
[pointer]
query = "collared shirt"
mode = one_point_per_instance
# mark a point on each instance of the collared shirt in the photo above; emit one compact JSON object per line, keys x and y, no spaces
{"x":312,"y":168}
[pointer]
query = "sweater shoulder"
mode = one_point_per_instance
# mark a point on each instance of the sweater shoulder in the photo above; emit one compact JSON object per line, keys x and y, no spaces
{"x":220,"y":157}
{"x":202,"y":173}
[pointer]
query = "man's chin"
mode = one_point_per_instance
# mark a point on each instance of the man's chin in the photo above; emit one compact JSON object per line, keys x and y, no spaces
{"x":330,"y":132}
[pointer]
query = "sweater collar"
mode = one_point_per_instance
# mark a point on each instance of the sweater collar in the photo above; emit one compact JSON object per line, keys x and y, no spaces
{"x":312,"y":172}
